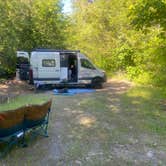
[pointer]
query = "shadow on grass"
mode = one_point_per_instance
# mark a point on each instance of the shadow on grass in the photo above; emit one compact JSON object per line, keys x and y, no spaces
{"x":145,"y":103}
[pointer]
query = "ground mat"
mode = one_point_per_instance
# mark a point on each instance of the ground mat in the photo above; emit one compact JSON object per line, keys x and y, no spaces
{"x":72,"y":91}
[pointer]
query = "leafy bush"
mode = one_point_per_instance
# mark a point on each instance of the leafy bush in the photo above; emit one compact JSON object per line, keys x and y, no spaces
{"x":2,"y":72}
{"x":6,"y":73}
{"x":133,"y":72}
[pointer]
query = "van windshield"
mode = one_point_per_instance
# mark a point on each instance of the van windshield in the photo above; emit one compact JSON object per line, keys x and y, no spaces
{"x":86,"y":64}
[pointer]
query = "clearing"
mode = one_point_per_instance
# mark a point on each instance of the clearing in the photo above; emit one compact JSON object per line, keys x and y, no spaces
{"x":118,"y":125}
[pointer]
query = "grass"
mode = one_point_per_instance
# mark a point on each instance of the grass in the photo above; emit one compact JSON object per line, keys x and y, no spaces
{"x":2,"y":80}
{"x":106,"y":127}
{"x":24,"y":100}
{"x":144,"y":104}
{"x":102,"y":128}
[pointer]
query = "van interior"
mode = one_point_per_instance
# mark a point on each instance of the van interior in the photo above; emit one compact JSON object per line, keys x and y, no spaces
{"x":70,"y":61}
{"x":72,"y":68}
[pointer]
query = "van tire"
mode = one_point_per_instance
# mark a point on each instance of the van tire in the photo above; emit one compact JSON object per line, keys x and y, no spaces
{"x":97,"y":83}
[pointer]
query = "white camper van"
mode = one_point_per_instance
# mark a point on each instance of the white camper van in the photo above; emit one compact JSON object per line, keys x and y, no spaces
{"x":61,"y":67}
{"x":23,"y":54}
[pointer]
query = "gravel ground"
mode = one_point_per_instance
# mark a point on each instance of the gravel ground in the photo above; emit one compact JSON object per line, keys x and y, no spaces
{"x":91,"y":129}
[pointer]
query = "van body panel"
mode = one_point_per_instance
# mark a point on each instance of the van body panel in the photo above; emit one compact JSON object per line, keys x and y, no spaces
{"x":87,"y":70}
{"x":45,"y":66}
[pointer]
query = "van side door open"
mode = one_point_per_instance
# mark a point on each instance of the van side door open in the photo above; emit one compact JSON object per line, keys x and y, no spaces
{"x":69,"y":67}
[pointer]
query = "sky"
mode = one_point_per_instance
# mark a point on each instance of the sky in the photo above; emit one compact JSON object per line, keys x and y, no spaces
{"x":67,"y":6}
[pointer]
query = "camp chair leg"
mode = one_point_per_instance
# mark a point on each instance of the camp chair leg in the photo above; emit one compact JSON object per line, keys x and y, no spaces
{"x":23,"y":142}
{"x":46,"y":124}
{"x":45,"y":127}
{"x":42,"y":129}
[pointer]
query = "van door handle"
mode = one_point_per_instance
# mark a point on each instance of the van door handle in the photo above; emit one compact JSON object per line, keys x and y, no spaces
{"x":57,"y":70}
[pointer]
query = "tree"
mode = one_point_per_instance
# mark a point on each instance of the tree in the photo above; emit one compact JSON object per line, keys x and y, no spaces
{"x":43,"y":25}
{"x":126,"y":35}
{"x":148,"y":13}
{"x":29,"y":24}
{"x":100,"y":29}
{"x":149,"y":17}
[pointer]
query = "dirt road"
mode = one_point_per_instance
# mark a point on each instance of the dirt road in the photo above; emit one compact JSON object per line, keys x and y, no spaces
{"x":12,"y":88}
{"x":95,"y":129}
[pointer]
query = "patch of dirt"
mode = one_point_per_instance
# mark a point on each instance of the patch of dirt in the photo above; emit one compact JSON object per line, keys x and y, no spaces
{"x":89,"y":129}
{"x":13,"y":88}
{"x":116,"y":86}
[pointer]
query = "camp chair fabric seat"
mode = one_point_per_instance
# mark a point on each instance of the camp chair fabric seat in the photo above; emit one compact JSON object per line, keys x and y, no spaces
{"x":33,"y":123}
{"x":10,"y":131}
{"x":11,"y":121}
{"x":35,"y":114}
{"x":15,"y":123}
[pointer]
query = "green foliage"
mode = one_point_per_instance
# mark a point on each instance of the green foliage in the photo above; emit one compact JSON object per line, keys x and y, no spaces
{"x":122,"y":35}
{"x":42,"y":25}
{"x":148,"y":13}
{"x":101,"y":29}
{"x":133,"y":72}
{"x":149,"y":16}
{"x":147,"y":104}
{"x":26,"y":25}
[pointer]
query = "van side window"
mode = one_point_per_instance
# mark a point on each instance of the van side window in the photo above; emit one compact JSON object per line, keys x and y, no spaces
{"x":48,"y":63}
{"x":86,"y":64}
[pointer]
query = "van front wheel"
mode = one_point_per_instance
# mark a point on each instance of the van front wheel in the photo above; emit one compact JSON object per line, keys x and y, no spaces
{"x":97,"y":83}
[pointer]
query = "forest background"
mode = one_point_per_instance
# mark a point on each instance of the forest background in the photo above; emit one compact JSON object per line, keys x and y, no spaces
{"x":126,"y":36}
